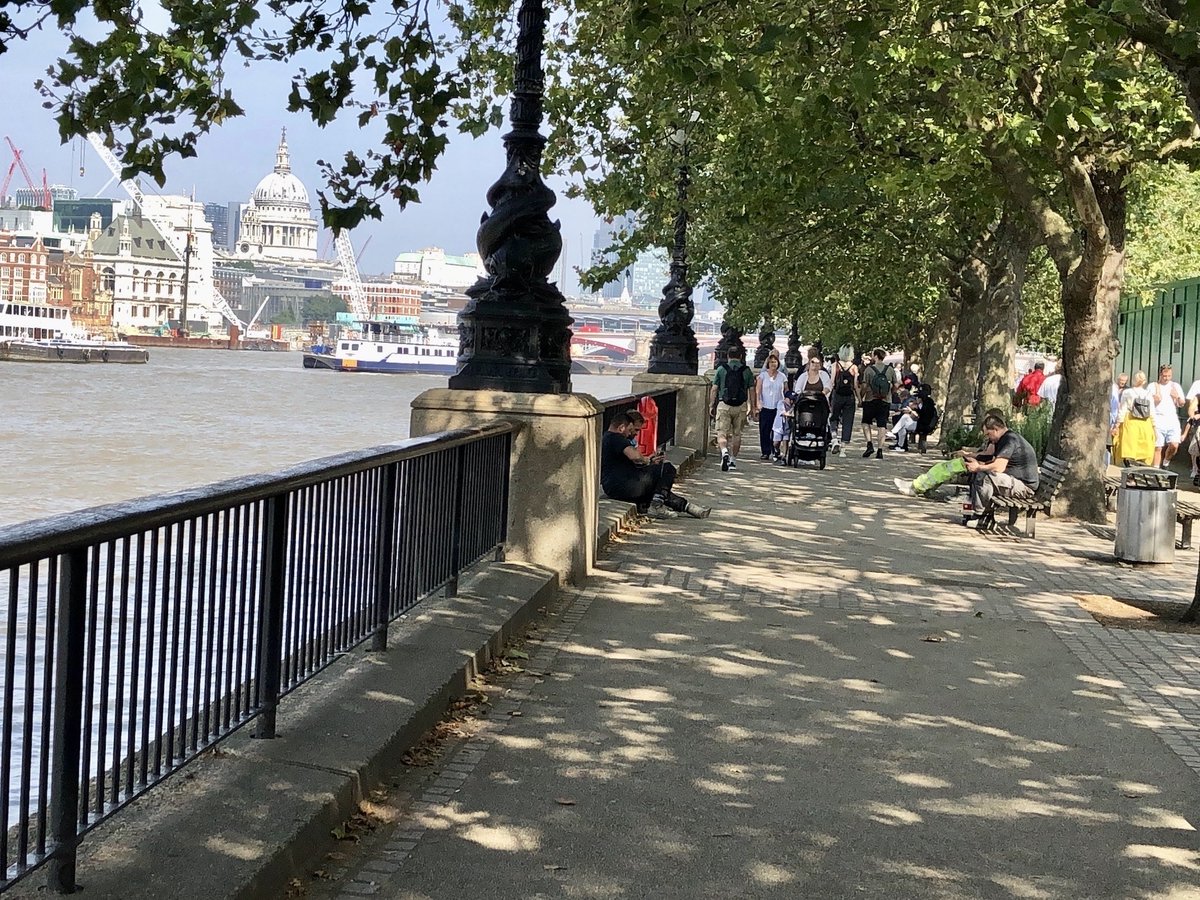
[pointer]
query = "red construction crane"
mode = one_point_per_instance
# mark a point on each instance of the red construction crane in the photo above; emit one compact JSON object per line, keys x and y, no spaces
{"x":43,"y":193}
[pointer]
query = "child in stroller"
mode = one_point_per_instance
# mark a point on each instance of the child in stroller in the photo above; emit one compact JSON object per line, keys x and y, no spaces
{"x":810,"y":429}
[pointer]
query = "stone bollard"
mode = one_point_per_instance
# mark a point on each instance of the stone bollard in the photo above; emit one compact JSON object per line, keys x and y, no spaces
{"x":554,"y":487}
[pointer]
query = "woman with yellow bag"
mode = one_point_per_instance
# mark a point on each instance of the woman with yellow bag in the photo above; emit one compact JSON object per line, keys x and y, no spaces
{"x":1133,"y":435}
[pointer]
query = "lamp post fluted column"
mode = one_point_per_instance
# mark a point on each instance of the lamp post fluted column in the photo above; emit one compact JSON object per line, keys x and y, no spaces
{"x":731,"y":336}
{"x":673,"y":350}
{"x":766,"y":342}
{"x":793,"y":358}
{"x":515,"y":332}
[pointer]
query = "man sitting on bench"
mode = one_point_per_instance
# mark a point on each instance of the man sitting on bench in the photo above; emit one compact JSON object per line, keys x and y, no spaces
{"x":1012,"y":471}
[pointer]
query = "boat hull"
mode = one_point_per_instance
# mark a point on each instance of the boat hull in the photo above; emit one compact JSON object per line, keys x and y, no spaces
{"x":66,"y":352}
{"x":382,"y":367}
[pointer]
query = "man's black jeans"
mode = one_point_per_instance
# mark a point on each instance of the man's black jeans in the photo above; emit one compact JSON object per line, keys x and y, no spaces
{"x":642,"y":486}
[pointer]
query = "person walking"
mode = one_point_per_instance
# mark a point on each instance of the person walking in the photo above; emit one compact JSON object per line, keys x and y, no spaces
{"x":1168,"y":397}
{"x":733,"y":398}
{"x":770,"y":386}
{"x":878,"y":383}
{"x":1133,"y":432}
{"x":842,"y":400}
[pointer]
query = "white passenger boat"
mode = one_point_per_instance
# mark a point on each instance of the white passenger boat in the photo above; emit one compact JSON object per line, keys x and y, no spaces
{"x":384,"y":347}
{"x":34,"y":331}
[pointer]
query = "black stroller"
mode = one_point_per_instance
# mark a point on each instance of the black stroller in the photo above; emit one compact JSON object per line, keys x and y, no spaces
{"x":810,"y":430}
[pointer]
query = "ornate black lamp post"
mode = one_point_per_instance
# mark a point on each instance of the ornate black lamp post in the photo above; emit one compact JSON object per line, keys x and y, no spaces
{"x":673,"y":350}
{"x":793,"y":359}
{"x":766,"y":343}
{"x":515,"y":333}
{"x":731,"y":336}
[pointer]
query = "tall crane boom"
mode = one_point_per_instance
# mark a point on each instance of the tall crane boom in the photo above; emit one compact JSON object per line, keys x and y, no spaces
{"x":20,"y":161}
{"x":163,"y":228}
{"x":358,"y":299}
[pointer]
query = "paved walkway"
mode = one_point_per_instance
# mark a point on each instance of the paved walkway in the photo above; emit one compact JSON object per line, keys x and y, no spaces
{"x":825,"y":690}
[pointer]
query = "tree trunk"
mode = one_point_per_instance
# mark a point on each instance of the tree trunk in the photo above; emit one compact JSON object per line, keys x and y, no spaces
{"x":1090,"y":300}
{"x":941,"y":337}
{"x":1015,"y":240}
{"x":973,"y":318}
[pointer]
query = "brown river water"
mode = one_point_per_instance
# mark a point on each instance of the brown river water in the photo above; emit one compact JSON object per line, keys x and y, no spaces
{"x":73,"y":436}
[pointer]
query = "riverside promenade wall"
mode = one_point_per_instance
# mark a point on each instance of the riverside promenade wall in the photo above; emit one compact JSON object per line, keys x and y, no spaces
{"x":246,"y":818}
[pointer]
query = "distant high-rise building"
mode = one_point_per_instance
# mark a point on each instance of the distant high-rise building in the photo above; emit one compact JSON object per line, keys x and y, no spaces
{"x":35,"y":198}
{"x":218,"y":217}
{"x":648,"y":275}
{"x":602,"y":239}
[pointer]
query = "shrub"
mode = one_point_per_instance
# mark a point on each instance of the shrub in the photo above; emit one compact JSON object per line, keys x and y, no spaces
{"x":962,"y":436}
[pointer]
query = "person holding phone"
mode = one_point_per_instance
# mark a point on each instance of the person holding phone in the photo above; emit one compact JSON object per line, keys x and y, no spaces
{"x":626,"y":474}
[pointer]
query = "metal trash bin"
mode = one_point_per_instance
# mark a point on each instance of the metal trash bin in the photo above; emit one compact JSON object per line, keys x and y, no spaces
{"x":1146,"y":516}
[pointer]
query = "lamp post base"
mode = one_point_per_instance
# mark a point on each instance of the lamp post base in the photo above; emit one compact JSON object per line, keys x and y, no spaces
{"x":674,"y":353}
{"x":511,"y":344}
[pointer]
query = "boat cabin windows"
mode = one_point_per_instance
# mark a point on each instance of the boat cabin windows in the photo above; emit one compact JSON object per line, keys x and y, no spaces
{"x":379,"y":348}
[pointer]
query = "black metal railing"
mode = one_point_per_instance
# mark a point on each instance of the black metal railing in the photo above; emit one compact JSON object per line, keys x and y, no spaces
{"x":665,"y":399}
{"x":139,"y":634}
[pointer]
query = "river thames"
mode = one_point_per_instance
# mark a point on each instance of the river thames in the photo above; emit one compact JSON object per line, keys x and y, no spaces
{"x":75,"y":436}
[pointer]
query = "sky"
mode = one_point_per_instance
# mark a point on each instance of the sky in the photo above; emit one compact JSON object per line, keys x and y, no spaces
{"x":235,"y":157}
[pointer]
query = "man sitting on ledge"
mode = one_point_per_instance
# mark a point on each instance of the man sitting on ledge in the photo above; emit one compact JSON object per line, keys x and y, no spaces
{"x":1012,"y":472}
{"x":625,"y":474}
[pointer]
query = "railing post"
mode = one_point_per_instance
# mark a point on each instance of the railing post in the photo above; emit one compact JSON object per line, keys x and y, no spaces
{"x":270,"y":619}
{"x":505,"y":486}
{"x":68,"y":715}
{"x":385,"y":535}
{"x":456,"y":523}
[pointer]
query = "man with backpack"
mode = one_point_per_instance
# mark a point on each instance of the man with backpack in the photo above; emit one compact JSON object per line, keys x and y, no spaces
{"x":734,"y":399}
{"x":878,"y":383}
{"x":842,"y":401}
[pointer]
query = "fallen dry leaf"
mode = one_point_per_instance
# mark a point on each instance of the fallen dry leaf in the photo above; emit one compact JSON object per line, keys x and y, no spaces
{"x":933,"y":639}
{"x":564,"y":801}
{"x":553,"y":868}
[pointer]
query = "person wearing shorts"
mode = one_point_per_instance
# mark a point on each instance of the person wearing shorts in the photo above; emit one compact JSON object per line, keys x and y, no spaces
{"x":734,"y":400}
{"x":1167,"y":397}
{"x":876,"y":405}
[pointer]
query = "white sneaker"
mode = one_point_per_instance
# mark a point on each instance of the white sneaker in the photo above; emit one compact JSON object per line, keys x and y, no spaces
{"x":904,"y":487}
{"x":659,"y":510}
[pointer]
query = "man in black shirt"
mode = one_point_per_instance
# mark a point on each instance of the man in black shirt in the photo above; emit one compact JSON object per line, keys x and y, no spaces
{"x":625,"y":474}
{"x":1012,"y":471}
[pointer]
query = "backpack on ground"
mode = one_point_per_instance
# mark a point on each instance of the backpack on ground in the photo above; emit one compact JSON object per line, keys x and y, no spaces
{"x":880,"y":381}
{"x":844,"y":387}
{"x":1141,"y":407}
{"x":734,"y":390}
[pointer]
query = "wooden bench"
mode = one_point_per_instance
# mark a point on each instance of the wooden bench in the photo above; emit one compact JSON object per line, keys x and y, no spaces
{"x":1186,"y":511}
{"x":1050,"y":478}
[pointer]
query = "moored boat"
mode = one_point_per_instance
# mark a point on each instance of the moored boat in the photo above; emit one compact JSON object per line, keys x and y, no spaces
{"x":384,"y":347}
{"x":36,"y":331}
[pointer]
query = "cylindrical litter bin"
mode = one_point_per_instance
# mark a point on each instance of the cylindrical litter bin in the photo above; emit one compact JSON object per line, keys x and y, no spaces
{"x":1146,"y":516}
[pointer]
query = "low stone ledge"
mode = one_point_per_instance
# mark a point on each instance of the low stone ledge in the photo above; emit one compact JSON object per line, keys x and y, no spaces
{"x":243,"y":819}
{"x":616,"y":515}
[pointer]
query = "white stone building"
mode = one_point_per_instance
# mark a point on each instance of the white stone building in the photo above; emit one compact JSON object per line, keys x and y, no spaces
{"x":434,"y":266}
{"x":278,"y":224}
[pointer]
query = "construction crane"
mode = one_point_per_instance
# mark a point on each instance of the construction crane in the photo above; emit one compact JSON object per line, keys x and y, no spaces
{"x":358,"y":299}
{"x":42,"y":193}
{"x":162,"y":227}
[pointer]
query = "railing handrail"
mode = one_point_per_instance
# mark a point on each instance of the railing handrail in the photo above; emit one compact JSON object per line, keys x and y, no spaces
{"x":23,"y":542}
{"x":633,"y":398}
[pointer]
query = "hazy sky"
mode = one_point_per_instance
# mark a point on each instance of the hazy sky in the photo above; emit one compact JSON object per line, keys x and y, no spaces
{"x":235,"y":157}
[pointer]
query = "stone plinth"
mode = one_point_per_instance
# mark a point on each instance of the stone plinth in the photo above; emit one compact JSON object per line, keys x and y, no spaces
{"x":555,"y":474}
{"x":691,"y":409}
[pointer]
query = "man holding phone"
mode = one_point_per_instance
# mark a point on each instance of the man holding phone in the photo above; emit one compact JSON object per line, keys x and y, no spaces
{"x":626,"y":474}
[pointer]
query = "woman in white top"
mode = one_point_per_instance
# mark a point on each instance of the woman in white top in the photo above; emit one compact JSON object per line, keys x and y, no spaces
{"x":772,"y":382}
{"x":814,"y":380}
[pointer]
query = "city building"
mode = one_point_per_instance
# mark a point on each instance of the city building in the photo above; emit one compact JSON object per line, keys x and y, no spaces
{"x":277,"y":223}
{"x":398,"y":301}
{"x":433,"y":266}
{"x":602,"y":240}
{"x":648,"y":276}
{"x":23,"y":269}
{"x":75,"y":215}
{"x":217,"y":215}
